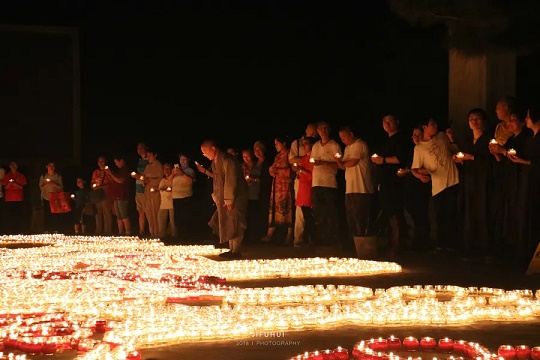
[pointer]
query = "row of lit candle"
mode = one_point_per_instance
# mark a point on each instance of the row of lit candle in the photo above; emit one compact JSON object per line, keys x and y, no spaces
{"x":129,"y":283}
{"x":385,"y":348}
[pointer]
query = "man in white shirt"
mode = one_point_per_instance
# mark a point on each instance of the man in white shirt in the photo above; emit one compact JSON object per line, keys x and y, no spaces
{"x":325,"y":187}
{"x":359,"y":187}
{"x":296,"y":152}
{"x":433,"y":159}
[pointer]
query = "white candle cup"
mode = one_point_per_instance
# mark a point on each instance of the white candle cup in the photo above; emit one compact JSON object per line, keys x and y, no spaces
{"x":133,"y":173}
{"x":94,"y":185}
{"x":73,"y":196}
{"x":11,"y":180}
{"x":48,"y":180}
{"x":247,"y":177}
{"x":511,"y":152}
{"x":295,"y":164}
{"x":493,"y":141}
{"x":152,"y":190}
{"x":106,"y":167}
{"x":337,"y":155}
{"x":374,"y":155}
{"x":460,"y":155}
{"x":311,"y":160}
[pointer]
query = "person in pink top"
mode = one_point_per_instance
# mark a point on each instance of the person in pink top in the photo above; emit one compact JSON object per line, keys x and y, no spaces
{"x":14,"y":183}
{"x":304,"y":200}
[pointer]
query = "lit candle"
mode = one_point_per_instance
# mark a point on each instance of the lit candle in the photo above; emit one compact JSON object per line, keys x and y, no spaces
{"x":428,"y":343}
{"x":511,"y":152}
{"x":48,"y":180}
{"x":152,"y":190}
{"x":393,"y":343}
{"x":295,"y":164}
{"x":493,"y":141}
{"x":10,"y":180}
{"x":411,"y":343}
{"x":379,"y":344}
{"x":337,"y":155}
{"x":341,"y":353}
{"x":311,"y":160}
{"x":196,"y":163}
{"x":73,"y":196}
{"x":94,"y":185}
{"x":523,"y":352}
{"x":106,"y":167}
{"x":168,"y":188}
{"x":141,"y":178}
{"x":247,"y":177}
{"x":506,"y":351}
{"x":460,"y":155}
{"x":133,"y":173}
{"x":446,"y":345}
{"x":374,"y":155}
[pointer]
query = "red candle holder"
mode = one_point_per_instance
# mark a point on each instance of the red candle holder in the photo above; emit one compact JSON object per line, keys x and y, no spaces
{"x":459,"y":346}
{"x":446,"y":345}
{"x":393,"y":343}
{"x":507,"y":351}
{"x":341,"y":353}
{"x":379,"y":344}
{"x":316,"y":355}
{"x":328,"y":355}
{"x":535,"y":353}
{"x":428,"y":343}
{"x":411,"y":343}
{"x":523,"y":352}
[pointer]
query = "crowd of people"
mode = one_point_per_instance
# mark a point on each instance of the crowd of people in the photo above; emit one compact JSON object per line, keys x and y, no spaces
{"x":482,"y":190}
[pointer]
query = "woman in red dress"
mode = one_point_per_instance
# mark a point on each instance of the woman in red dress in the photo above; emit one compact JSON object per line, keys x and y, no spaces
{"x":280,"y":210}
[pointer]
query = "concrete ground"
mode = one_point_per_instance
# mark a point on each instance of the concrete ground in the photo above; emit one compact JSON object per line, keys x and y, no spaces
{"x":418,"y":269}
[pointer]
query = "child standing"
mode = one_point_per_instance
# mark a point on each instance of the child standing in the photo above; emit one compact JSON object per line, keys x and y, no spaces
{"x":80,"y":199}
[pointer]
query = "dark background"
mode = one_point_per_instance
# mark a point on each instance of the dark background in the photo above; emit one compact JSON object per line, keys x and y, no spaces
{"x":175,"y":72}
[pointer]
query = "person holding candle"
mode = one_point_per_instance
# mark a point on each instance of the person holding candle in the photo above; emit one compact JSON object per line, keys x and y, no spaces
{"x":80,"y":212}
{"x":139,"y":186}
{"x":183,"y":178}
{"x":152,"y":175}
{"x":166,"y":210}
{"x":475,"y":162}
{"x":296,"y":152}
{"x":391,"y":156}
{"x":515,"y":183}
{"x":417,"y":198}
{"x":498,"y":192}
{"x":119,"y":192}
{"x":531,"y":161}
{"x":304,"y":200}
{"x":14,"y":182}
{"x":230,"y":195}
{"x":359,"y":188}
{"x":100,"y":183}
{"x":434,"y":155}
{"x":325,"y":187}
{"x":260,"y":178}
{"x":49,"y":182}
{"x":281,"y":196}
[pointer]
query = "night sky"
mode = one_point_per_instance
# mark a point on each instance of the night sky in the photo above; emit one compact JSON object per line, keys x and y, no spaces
{"x":173,"y":73}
